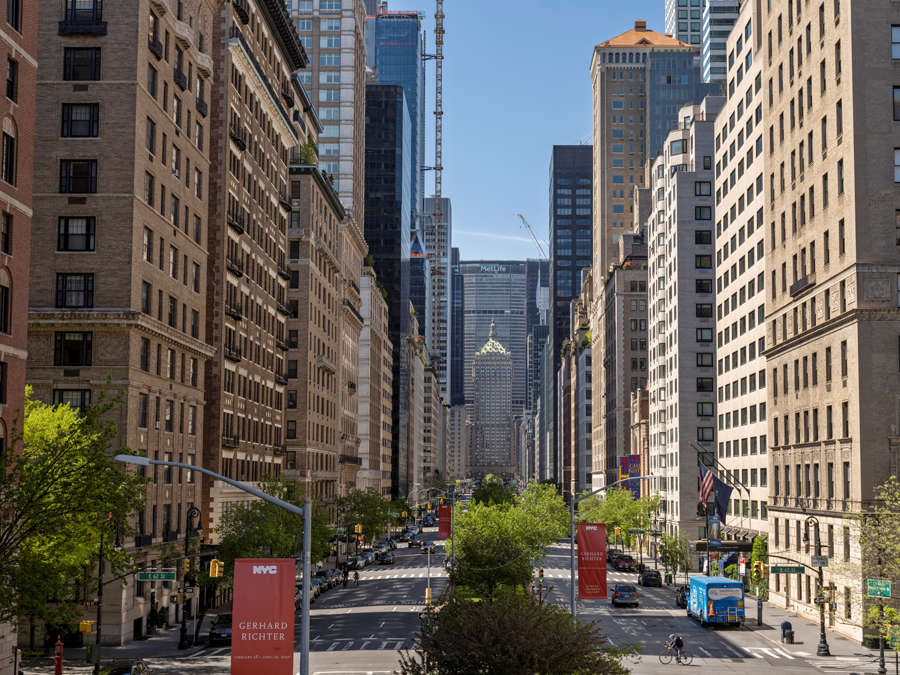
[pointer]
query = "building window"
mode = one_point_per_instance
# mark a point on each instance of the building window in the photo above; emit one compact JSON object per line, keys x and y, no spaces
{"x":74,"y":290}
{"x":6,"y":222}
{"x":84,"y":11}
{"x":81,"y":63}
{"x":75,"y":233}
{"x":703,"y":262}
{"x":77,"y":399}
{"x":12,"y":80}
{"x":72,"y":349}
{"x":78,"y":176}
{"x":8,"y":166}
{"x":80,"y":120}
{"x":14,"y":14}
{"x":4,"y":309}
{"x":705,"y":384}
{"x":702,"y":188}
{"x":143,"y":410}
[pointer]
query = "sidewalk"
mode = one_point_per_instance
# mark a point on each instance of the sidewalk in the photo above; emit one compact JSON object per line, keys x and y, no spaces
{"x":164,"y":643}
{"x":806,"y":632}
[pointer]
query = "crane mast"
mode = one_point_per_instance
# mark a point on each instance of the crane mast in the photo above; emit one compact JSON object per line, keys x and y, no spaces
{"x":437,"y":252}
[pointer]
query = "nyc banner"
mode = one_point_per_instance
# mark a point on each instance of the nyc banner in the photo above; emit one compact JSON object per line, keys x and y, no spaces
{"x":444,"y":521}
{"x":591,"y":560}
{"x":262,"y":622}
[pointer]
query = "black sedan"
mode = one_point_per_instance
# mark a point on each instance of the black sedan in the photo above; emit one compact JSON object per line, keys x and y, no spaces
{"x":681,"y":595}
{"x":220,"y":630}
{"x":650,"y":578}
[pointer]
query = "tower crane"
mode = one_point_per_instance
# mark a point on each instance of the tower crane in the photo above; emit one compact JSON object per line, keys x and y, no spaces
{"x":531,"y":232}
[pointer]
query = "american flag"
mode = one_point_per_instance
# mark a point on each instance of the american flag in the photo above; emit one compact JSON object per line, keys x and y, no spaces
{"x":706,"y":483}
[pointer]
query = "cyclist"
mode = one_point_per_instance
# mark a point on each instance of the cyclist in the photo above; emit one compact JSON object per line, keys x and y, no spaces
{"x":356,"y":578}
{"x":676,"y":643}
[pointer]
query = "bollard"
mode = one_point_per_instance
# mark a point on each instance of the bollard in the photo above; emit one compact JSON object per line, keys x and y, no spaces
{"x":57,"y":656}
{"x":759,"y":612}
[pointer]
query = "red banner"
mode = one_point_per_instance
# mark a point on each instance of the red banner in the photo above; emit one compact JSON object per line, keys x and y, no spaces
{"x":262,"y":622}
{"x":444,"y":521}
{"x":591,"y":560}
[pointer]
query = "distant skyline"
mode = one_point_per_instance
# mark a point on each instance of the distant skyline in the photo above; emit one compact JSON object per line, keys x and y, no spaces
{"x":516,"y":83}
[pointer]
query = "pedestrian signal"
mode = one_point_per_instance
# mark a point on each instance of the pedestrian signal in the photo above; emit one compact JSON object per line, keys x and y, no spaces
{"x":186,"y":566}
{"x":216,"y":568}
{"x":357,"y":528}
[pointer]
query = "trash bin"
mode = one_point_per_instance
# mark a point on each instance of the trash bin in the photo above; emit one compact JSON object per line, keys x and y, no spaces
{"x":668,"y":577}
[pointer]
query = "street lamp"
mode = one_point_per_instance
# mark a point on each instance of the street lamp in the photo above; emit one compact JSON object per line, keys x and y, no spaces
{"x":305,"y":511}
{"x":572,"y":502}
{"x":822,"y":648}
{"x":101,"y":567}
{"x":192,"y":512}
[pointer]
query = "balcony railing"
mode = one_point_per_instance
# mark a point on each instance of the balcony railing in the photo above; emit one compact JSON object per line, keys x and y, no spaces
{"x":287,"y":94}
{"x":284,"y":273}
{"x":349,"y":459}
{"x":83,"y":21}
{"x":281,"y":344}
{"x":180,"y":79}
{"x":204,"y":63}
{"x":235,"y":267}
{"x":279,"y":450}
{"x":284,"y":201}
{"x":282,"y":309}
{"x":232,"y":353}
{"x":242,"y":9}
{"x":202,"y":107}
{"x":239,"y":136}
{"x":280,"y":379}
{"x":233,"y":310}
{"x":229,"y":441}
{"x":184,"y":34}
{"x":801,"y":284}
{"x":156,"y":48}
{"x":236,"y":223}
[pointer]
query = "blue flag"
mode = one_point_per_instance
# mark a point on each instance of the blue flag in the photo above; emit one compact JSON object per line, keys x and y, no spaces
{"x":722,"y":493}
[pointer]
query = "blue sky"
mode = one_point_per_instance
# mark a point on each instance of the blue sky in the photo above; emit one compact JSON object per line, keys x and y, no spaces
{"x":516,"y":82}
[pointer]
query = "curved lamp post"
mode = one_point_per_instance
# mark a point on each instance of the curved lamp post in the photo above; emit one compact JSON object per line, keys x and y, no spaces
{"x":822,"y":648}
{"x":193,"y":512}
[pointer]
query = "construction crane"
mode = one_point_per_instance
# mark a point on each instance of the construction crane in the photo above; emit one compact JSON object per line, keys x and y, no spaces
{"x":531,"y":232}
{"x":439,"y":245}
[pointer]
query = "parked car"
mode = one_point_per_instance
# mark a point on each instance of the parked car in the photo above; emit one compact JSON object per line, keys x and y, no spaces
{"x":220,"y":630}
{"x":415,"y":541}
{"x":369,"y":556}
{"x":650,"y":578}
{"x":681,"y":595}
{"x":624,"y":563}
{"x":387,"y":559}
{"x":429,"y":547}
{"x":624,"y":594}
{"x":611,"y":553}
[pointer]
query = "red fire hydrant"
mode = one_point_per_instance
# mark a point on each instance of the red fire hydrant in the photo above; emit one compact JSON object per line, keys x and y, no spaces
{"x":57,"y":656}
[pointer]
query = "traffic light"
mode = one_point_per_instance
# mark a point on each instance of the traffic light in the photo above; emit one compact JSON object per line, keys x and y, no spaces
{"x":403,"y":514}
{"x":757,"y":570}
{"x":186,"y":566}
{"x":618,"y":530}
{"x":541,"y":576}
{"x":216,"y":568}
{"x":429,"y":506}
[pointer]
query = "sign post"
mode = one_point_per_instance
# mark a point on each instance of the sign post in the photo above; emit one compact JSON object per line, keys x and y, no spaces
{"x":878,"y":588}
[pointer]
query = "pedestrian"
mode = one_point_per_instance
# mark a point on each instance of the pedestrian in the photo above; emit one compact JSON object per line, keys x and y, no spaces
{"x":345,"y":580}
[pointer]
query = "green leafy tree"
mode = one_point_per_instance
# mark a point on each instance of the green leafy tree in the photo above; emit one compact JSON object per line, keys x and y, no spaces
{"x":512,"y":634}
{"x":879,"y":543}
{"x":364,"y":507}
{"x":617,"y":507}
{"x":492,"y":491}
{"x":259,"y":529}
{"x":59,"y":488}
{"x":673,"y":552}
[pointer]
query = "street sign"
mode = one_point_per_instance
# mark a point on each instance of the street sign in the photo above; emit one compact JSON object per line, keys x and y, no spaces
{"x":819,"y":561}
{"x":878,"y":588}
{"x":656,"y":533}
{"x":166,"y":574}
{"x":786,"y":569}
{"x":635,"y":532}
{"x":742,"y":567}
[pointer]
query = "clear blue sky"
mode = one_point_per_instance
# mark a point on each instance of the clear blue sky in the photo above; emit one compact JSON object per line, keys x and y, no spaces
{"x":516,"y":82}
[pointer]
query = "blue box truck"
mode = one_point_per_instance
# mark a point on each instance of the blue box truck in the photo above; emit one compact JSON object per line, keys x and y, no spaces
{"x":716,"y":600}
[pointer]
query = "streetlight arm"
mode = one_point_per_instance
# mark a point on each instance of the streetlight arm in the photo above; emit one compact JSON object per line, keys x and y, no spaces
{"x":606,"y":487}
{"x":146,"y":461}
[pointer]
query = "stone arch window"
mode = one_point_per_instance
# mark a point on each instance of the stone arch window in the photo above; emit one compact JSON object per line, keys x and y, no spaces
{"x":8,"y":156}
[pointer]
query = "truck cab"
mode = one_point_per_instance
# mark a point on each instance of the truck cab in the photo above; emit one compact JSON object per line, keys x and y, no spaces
{"x":716,"y":600}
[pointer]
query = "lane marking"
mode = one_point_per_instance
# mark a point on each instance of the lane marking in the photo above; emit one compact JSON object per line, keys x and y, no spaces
{"x":704,"y":651}
{"x":332,"y":647}
{"x":783,"y":653}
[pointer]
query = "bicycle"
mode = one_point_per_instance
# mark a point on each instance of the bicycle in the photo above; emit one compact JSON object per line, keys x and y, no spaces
{"x":666,"y":657}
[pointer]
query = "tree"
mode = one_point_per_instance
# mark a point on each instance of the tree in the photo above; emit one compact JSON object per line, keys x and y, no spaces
{"x":363,"y":507}
{"x":59,"y":487}
{"x":879,"y":543}
{"x":673,"y":552}
{"x":511,"y":634}
{"x":260,"y":529}
{"x":617,"y":507}
{"x":497,"y":545}
{"x":492,"y":491}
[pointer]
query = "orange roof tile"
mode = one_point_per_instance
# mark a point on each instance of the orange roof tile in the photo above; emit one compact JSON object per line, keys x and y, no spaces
{"x":639,"y":36}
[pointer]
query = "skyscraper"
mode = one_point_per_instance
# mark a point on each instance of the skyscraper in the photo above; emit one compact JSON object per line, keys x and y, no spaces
{"x":441,"y":326}
{"x":457,"y":334}
{"x":492,"y":417}
{"x":681,"y":317}
{"x":684,"y":20}
{"x":495,"y":294}
{"x":719,"y":17}
{"x":419,"y":272}
{"x":387,"y":229}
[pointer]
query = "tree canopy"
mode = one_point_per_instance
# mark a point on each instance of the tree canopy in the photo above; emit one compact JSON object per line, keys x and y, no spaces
{"x":618,"y":508}
{"x":492,"y":491}
{"x":260,"y":529}
{"x":366,"y":508}
{"x":59,"y":489}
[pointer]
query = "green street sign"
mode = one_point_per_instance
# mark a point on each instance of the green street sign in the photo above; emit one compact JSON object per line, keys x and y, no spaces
{"x":786,"y":569}
{"x":635,"y":532}
{"x":165,"y":575}
{"x":878,"y":588}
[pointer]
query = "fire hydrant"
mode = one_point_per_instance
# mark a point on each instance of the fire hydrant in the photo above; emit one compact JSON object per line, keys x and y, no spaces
{"x":57,"y":656}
